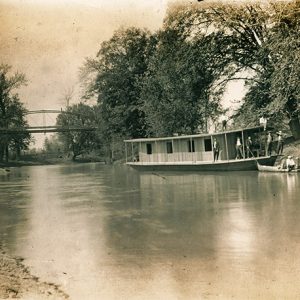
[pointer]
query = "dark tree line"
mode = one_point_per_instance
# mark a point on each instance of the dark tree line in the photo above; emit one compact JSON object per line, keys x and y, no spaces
{"x":258,"y":43}
{"x":12,"y":113}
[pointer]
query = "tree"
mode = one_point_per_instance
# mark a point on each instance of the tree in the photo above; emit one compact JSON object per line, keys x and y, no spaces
{"x":80,"y":116}
{"x":67,"y":96}
{"x":53,"y":145}
{"x":12,"y":112}
{"x":118,"y":68}
{"x":176,"y":93}
{"x":259,"y":42}
{"x":284,"y":81}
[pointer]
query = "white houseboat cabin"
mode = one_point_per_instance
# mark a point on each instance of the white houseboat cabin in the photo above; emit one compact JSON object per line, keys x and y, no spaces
{"x":195,"y":152}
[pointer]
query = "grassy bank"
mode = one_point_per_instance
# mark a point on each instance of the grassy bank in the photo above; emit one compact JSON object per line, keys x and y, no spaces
{"x":37,"y":161}
{"x":293,"y":149}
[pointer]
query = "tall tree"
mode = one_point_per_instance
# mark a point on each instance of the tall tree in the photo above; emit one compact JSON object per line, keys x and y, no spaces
{"x":12,"y":112}
{"x":79,"y":116}
{"x":176,"y":91}
{"x":119,"y":66}
{"x":259,"y":42}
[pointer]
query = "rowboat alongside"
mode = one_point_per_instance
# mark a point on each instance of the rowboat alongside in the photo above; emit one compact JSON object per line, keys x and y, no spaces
{"x":196,"y":153}
{"x":277,"y":169}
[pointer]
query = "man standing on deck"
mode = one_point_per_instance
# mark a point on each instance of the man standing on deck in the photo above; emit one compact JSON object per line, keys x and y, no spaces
{"x":239,"y":148}
{"x":269,"y":144}
{"x":249,"y":145}
{"x":263,"y":121}
{"x":216,"y":149}
{"x":279,"y":142}
{"x":224,"y":120}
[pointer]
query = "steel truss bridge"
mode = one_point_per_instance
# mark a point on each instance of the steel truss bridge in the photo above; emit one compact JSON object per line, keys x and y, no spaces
{"x":44,"y":128}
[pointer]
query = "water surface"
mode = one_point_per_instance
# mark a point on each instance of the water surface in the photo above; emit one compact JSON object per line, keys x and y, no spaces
{"x":105,"y":232}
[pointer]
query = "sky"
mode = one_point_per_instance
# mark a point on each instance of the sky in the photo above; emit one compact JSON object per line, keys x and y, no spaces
{"x":48,"y":40}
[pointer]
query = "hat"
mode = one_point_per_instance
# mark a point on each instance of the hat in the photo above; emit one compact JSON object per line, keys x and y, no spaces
{"x":279,"y":132}
{"x":290,"y":156}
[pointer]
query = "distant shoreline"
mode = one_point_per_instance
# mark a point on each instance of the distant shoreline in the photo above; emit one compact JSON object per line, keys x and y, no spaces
{"x":291,"y":148}
{"x":24,"y":163}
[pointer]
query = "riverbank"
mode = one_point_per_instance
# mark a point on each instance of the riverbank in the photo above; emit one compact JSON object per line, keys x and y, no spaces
{"x":16,"y":281}
{"x":42,"y":162}
{"x":292,"y":149}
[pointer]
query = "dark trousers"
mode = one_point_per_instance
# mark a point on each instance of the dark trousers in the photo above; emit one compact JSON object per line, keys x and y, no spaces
{"x":279,"y":147}
{"x":249,"y":152}
{"x":216,"y":155}
{"x":239,"y":152}
{"x":224,"y":124}
{"x":269,"y":148}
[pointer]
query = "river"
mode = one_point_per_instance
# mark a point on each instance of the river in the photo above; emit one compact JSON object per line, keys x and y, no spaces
{"x":109,"y":232}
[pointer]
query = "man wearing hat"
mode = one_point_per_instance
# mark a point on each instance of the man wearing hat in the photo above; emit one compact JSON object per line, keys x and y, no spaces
{"x":290,"y":164}
{"x":280,"y":142}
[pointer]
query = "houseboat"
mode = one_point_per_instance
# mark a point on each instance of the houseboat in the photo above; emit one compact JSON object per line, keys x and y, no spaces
{"x":195,"y":152}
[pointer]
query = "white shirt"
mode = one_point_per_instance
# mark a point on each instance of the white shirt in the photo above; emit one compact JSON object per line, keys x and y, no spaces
{"x":290,"y":162}
{"x":224,"y":118}
{"x":262,"y":121}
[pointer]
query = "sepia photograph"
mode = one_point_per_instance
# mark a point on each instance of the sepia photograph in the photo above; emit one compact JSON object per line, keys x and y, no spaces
{"x":149,"y":149}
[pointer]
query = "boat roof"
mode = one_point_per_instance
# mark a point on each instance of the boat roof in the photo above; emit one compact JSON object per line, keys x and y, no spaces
{"x":153,"y":139}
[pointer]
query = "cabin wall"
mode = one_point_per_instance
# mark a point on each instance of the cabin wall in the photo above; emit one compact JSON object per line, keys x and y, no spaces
{"x":201,"y":154}
{"x":202,"y":148}
{"x":180,"y":151}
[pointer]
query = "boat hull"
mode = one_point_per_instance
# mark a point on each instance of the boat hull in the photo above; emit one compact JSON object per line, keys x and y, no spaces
{"x":230,"y":165}
{"x":263,"y":168}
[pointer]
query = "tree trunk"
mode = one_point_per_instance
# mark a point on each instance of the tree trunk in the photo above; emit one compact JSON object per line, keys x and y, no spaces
{"x":6,"y":153}
{"x":18,"y":153}
{"x":1,"y":153}
{"x":294,"y":124}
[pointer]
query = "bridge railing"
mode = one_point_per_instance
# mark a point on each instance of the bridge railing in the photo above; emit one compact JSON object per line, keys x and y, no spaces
{"x":44,"y":129}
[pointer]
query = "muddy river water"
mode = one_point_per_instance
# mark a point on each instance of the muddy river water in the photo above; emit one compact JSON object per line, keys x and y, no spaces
{"x":104,"y":232}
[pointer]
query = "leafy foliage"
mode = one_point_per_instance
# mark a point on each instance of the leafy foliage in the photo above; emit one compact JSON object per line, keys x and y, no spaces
{"x":118,"y":68}
{"x":12,"y":112}
{"x":172,"y":81}
{"x":79,"y":116}
{"x":176,"y":93}
{"x":262,"y":44}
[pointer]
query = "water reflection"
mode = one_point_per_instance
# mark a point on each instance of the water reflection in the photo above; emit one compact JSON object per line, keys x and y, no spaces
{"x":109,"y":232}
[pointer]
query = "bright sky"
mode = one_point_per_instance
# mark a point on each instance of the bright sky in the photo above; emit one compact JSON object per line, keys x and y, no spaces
{"x":48,"y":40}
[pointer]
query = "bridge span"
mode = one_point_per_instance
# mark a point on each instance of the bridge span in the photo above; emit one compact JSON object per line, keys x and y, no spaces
{"x":47,"y":129}
{"x":44,"y":129}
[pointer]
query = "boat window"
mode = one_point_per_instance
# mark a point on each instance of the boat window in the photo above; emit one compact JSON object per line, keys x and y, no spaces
{"x":149,"y":148}
{"x":207,"y":145}
{"x":191,"y":145}
{"x":169,"y":147}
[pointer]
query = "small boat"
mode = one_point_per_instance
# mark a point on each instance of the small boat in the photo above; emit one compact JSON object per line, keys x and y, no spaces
{"x":276,"y":169}
{"x":195,"y":152}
